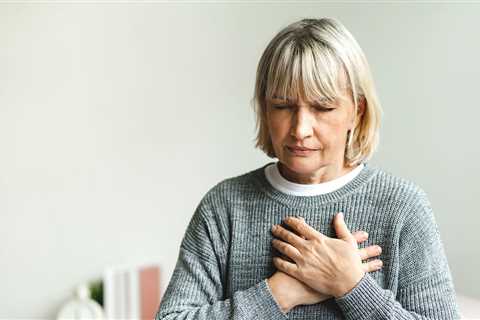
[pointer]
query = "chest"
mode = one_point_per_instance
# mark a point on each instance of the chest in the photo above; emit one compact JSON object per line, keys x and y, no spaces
{"x":250,"y":253}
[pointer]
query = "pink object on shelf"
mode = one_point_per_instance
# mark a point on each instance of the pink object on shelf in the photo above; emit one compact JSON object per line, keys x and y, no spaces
{"x":149,"y":291}
{"x":132,"y":292}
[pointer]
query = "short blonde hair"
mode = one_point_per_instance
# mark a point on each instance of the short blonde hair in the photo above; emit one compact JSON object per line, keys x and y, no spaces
{"x":309,"y":57}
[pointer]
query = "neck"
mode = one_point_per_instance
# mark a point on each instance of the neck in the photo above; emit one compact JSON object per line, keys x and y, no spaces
{"x":322,"y":175}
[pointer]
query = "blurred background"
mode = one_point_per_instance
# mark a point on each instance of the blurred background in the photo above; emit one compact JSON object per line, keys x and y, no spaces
{"x":117,"y":117}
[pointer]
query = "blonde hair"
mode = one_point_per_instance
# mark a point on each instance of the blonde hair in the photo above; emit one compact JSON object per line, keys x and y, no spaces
{"x":309,"y":57}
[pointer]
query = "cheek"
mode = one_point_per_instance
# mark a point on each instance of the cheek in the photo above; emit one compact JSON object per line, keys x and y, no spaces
{"x":278,"y":129}
{"x":331,"y":134}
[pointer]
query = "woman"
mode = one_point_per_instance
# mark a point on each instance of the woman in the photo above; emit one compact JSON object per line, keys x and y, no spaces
{"x":318,"y":114}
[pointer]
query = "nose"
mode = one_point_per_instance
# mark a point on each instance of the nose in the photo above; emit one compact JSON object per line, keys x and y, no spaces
{"x":301,"y":126}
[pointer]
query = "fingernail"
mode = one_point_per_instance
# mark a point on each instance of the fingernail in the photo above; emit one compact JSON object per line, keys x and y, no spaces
{"x":379,"y":264}
{"x":379,"y":249}
{"x":365,"y":234}
{"x":301,"y":218}
{"x":340,"y":215}
{"x":274,"y":227}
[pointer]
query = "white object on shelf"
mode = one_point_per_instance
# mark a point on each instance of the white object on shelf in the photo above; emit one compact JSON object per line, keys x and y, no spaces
{"x":469,"y":307}
{"x":131,"y":291}
{"x":81,"y":307}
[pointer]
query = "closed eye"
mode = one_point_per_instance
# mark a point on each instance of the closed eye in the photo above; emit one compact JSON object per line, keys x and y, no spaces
{"x":324,"y":109}
{"x":280,"y":106}
{"x":317,"y":108}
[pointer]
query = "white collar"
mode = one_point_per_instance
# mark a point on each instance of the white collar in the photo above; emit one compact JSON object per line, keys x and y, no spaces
{"x":280,"y":183}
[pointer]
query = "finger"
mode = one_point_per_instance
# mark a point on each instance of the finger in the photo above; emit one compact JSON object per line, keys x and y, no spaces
{"x":342,"y":229}
{"x":285,"y":266}
{"x":290,"y":237}
{"x":360,"y":236}
{"x":302,"y":228}
{"x":370,"y":252}
{"x":286,"y":249}
{"x":373,"y":265}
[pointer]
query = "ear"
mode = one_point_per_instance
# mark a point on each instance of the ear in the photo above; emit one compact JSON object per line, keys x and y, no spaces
{"x":360,"y":111}
{"x":362,"y":104}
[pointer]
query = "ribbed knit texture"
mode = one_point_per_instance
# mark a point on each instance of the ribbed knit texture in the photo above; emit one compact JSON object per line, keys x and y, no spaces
{"x":226,"y":253}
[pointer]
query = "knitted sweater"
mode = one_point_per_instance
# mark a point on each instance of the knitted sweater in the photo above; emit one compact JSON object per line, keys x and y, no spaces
{"x":226,"y":253}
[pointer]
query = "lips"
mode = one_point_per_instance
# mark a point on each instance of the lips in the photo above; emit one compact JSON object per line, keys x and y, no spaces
{"x":300,"y":148}
{"x":300,"y":151}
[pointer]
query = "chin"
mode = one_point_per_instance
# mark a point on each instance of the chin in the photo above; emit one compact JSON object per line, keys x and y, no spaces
{"x":301,"y":165}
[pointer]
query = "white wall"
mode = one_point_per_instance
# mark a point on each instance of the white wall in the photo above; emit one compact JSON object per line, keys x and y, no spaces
{"x":115,"y":119}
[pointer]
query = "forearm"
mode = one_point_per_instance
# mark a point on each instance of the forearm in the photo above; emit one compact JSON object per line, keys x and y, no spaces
{"x":195,"y":291}
{"x":253,"y":303}
{"x":430,"y":300}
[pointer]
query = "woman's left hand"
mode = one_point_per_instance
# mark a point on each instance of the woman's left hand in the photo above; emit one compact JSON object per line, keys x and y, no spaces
{"x":328,"y":265}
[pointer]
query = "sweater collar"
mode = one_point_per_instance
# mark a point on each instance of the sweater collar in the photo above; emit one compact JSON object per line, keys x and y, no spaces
{"x":275,"y":178}
{"x":295,"y":201}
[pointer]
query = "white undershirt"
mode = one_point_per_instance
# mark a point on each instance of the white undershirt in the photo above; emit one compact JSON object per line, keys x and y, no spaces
{"x":280,"y":183}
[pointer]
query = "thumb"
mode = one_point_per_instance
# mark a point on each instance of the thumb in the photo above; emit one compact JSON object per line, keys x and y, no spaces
{"x":342,"y":230}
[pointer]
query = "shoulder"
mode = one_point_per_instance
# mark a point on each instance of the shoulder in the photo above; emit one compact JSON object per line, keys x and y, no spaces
{"x":391,"y":188}
{"x":211,"y":219}
{"x":401,"y":198}
{"x":218,"y":202}
{"x":235,"y":189}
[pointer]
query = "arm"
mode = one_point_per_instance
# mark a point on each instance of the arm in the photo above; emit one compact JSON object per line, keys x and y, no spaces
{"x":196,"y":289}
{"x":425,"y":289}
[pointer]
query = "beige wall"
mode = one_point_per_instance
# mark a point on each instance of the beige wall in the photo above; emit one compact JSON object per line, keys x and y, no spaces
{"x":115,"y":119}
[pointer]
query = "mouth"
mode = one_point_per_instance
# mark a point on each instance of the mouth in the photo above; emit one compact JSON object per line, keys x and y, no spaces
{"x":300,"y":149}
{"x":297,"y":151}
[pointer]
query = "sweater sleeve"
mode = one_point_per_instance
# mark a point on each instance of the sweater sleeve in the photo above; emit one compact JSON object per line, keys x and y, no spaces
{"x":197,"y":287}
{"x":425,"y":287}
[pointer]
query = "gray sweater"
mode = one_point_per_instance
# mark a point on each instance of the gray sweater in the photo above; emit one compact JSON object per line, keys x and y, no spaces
{"x":226,"y":254}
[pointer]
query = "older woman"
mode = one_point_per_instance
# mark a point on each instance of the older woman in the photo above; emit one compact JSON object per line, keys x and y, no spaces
{"x":275,"y":243}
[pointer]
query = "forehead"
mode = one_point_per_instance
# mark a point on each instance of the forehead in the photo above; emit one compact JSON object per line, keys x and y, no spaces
{"x":307,"y":90}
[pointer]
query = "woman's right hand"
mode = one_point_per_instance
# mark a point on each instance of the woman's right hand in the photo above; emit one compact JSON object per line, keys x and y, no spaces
{"x":290,"y":292}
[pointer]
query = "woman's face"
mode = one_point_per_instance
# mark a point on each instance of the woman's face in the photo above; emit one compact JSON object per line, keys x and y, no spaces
{"x":319,"y":126}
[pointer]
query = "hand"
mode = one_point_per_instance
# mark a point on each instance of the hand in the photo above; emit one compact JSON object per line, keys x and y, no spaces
{"x":327,"y":265}
{"x":290,"y":292}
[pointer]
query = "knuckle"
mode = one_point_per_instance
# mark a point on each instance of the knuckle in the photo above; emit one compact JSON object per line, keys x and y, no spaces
{"x":280,"y":231}
{"x":320,"y":240}
{"x":289,"y":237}
{"x":374,"y":251}
{"x":365,"y":267}
{"x":309,"y":246}
{"x":278,"y":262}
{"x":284,"y":235}
{"x":375,"y":265}
{"x":299,"y":273}
{"x":300,"y":228}
{"x":368,"y":267}
{"x":363,"y":253}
